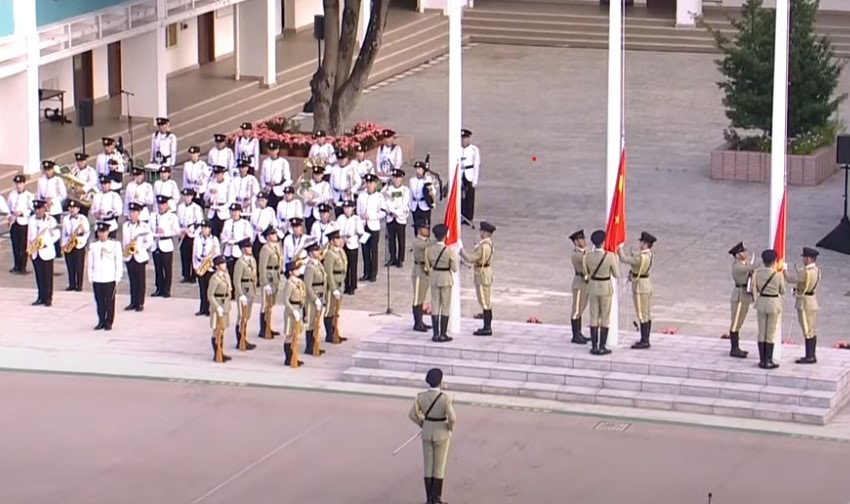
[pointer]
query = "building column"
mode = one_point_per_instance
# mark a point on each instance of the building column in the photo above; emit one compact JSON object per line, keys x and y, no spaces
{"x":21,"y":130}
{"x":255,"y":41}
{"x":143,"y":74}
{"x":687,"y":11}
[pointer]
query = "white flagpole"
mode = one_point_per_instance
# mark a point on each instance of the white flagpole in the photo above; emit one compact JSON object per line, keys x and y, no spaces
{"x":778,"y":146}
{"x":455,"y":125}
{"x":615,"y":138}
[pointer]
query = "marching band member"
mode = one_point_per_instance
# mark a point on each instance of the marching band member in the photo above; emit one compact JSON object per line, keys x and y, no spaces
{"x":353,"y":235}
{"x":420,"y":275}
{"x":111,"y":164}
{"x":137,"y":240}
{"x":163,"y":144}
{"x":219,"y":195}
{"x":289,"y":208}
{"x":335,"y":263}
{"x":397,"y":203}
{"x":140,"y":192}
{"x":106,"y":205}
{"x":345,"y":182}
{"x":362,"y":166}
{"x":275,"y":175}
{"x":20,"y":208}
{"x":87,"y":175}
{"x":322,"y":194}
{"x":419,"y":197}
{"x":166,"y":186}
{"x":294,"y":241}
{"x":205,"y":247}
{"x":105,"y":271}
{"x":244,"y":290}
{"x":248,"y":148}
{"x":247,"y":188}
{"x":189,"y":218}
{"x":52,"y":190}
{"x":235,"y":230}
{"x":470,"y":160}
{"x":271,"y":260}
{"x":221,"y":155}
{"x":370,"y":208}
{"x":165,"y":226}
{"x":196,"y":174}
{"x":262,"y":218}
{"x":294,"y":296}
{"x":42,"y":235}
{"x":75,"y":225}
{"x":116,"y":173}
{"x":323,"y":225}
{"x":389,"y":156}
{"x":315,"y":283}
{"x":322,"y":149}
{"x":219,"y":296}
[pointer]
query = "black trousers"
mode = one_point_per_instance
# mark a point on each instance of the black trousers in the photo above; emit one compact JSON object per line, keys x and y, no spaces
{"x":231,"y":263}
{"x":199,"y":199}
{"x":84,"y":211}
{"x":308,"y":223}
{"x":351,"y":272}
{"x":396,"y":242}
{"x":370,"y":255}
{"x":203,"y":288}
{"x":274,"y":199}
{"x":114,"y":234}
{"x":186,"y":270}
{"x":420,"y":216}
{"x":217,"y":226}
{"x":18,"y":234}
{"x":43,"y":279}
{"x":467,"y":203}
{"x":104,"y":299}
{"x":75,"y":262}
{"x":57,"y":245}
{"x":136,"y":275}
{"x":255,"y":249}
{"x":162,"y":267}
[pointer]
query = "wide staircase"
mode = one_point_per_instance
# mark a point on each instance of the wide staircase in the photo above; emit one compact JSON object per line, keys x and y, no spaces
{"x":584,"y":24}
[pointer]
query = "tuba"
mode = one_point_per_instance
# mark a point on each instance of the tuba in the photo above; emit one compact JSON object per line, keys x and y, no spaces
{"x":76,"y":186}
{"x":305,"y":188}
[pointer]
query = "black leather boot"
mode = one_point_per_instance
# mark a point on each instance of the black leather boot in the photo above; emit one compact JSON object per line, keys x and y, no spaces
{"x":603,"y":340}
{"x":578,"y":323}
{"x":428,"y":483}
{"x":437,"y":492}
{"x":578,"y":339}
{"x":644,"y":337}
{"x":329,"y":329}
{"x":761,"y":354}
{"x":263,"y":327}
{"x":810,"y":352}
{"x":418,"y":326}
{"x":768,"y":357}
{"x":239,"y":336}
{"x":486,"y":330}
{"x":444,"y":328}
{"x":287,"y":353}
{"x":594,"y":340}
{"x":212,"y":342}
{"x":435,"y":326}
{"x":308,"y":342}
{"x":735,"y":349}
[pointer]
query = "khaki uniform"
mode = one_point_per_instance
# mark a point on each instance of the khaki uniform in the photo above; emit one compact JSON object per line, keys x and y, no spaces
{"x":315,"y":282}
{"x":768,"y":286}
{"x":806,"y":281}
{"x":419,"y":274}
{"x":741,"y":299}
{"x":481,"y":258}
{"x":603,"y":267}
{"x":582,"y":275}
{"x":639,"y":266}
{"x":437,"y":429}
{"x":336,"y":264}
{"x":219,"y":295}
{"x":245,"y":278}
{"x":270,"y":268}
{"x":294,"y":295}
{"x":441,"y":262}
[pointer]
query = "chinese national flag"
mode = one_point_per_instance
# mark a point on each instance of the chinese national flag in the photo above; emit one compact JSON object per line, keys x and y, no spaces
{"x":615,"y":231}
{"x":451,"y":217}
{"x":779,"y":238}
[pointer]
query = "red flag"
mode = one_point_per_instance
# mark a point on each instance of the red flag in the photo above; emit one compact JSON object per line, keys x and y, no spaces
{"x":451,"y":219}
{"x":615,"y":231}
{"x":779,"y":237}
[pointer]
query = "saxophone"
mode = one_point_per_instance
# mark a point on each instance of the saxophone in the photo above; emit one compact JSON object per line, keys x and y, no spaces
{"x":38,"y":244}
{"x":207,"y":264}
{"x":74,"y":241}
{"x":131,"y":248}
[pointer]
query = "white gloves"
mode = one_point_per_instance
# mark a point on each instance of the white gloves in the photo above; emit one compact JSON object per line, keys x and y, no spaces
{"x":268,"y":290}
{"x":297,"y":316}
{"x":337,"y":294}
{"x":219,"y":312}
{"x":243,"y":300}
{"x":319,"y":304}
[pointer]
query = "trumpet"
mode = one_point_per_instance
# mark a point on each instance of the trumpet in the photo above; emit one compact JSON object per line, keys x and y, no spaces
{"x":131,"y":248}
{"x":74,"y":240}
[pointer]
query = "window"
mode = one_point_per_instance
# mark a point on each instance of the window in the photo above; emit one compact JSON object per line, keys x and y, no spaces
{"x":171,"y":35}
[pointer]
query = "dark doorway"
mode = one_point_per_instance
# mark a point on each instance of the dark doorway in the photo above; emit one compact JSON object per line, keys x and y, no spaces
{"x":206,"y":38}
{"x":113,"y":64}
{"x":83,"y":77}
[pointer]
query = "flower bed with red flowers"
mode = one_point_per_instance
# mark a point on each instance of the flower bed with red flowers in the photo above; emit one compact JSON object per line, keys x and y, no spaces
{"x":296,"y":144}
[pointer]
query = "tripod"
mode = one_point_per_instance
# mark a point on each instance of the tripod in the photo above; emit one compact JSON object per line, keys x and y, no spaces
{"x":130,"y":125}
{"x":839,"y":238}
{"x":389,"y":310}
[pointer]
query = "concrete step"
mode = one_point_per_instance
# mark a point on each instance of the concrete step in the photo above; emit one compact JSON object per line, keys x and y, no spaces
{"x":575,"y":33}
{"x":602,"y":396}
{"x":585,"y":44}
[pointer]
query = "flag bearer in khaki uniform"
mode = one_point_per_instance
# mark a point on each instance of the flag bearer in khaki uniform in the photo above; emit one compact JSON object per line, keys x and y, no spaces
{"x":315,"y":281}
{"x":220,"y":293}
{"x":245,"y":285}
{"x":432,"y":410}
{"x":336,"y":265}
{"x":807,"y":279}
{"x":769,"y":286}
{"x":419,"y":274}
{"x":742,"y":296}
{"x":640,"y":263}
{"x":481,"y":258}
{"x":271,"y":264}
{"x":440,"y":262}
{"x":579,"y":261}
{"x":294,"y":297}
{"x":602,"y":266}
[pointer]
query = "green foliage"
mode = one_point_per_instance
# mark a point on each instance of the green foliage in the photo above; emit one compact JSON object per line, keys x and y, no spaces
{"x":747,"y":69}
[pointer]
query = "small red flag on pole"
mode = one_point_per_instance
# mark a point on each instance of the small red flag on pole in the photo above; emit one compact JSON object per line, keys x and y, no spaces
{"x":779,"y":237}
{"x":451,"y":219}
{"x":615,"y":231}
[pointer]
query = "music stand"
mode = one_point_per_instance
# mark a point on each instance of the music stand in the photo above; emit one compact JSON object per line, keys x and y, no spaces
{"x":839,"y":238}
{"x":389,"y":310}
{"x":130,"y":127}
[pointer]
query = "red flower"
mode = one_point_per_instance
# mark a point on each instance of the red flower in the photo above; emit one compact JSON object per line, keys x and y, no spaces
{"x":668,"y":330}
{"x":841,"y":344}
{"x":533,"y":320}
{"x":789,"y":341}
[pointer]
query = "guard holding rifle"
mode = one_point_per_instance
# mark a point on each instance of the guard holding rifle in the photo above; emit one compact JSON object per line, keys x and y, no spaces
{"x":336,"y":264}
{"x":806,"y":280}
{"x":481,"y":259}
{"x":421,"y":280}
{"x":294,"y":297}
{"x":219,"y":295}
{"x":742,"y":296}
{"x":245,"y":287}
{"x":579,"y":261}
{"x":271,"y":260}
{"x":315,"y":282}
{"x":434,"y":413}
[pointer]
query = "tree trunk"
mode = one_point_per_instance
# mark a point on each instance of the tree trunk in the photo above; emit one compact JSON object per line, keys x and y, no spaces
{"x":323,"y":83}
{"x":348,"y":40}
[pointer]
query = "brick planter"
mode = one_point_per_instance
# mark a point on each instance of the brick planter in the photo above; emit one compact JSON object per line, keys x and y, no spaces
{"x":296,"y":164}
{"x":808,"y":170}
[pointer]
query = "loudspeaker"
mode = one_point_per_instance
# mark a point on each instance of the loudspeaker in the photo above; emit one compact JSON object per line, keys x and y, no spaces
{"x":319,"y":27}
{"x":85,"y":113}
{"x":842,"y":150}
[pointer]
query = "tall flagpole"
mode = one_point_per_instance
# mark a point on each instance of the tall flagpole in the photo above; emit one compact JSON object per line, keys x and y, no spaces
{"x":778,"y":147}
{"x":455,"y":125}
{"x":615,"y":135}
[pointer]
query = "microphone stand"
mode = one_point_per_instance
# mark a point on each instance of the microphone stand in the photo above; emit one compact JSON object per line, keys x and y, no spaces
{"x":130,"y":127}
{"x":389,"y":310}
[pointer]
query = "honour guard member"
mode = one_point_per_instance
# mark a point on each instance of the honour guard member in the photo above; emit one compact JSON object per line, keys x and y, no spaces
{"x":205,"y":248}
{"x":362,"y":166}
{"x":294,"y":241}
{"x":246,"y":188}
{"x":235,"y":230}
{"x":602,"y":266}
{"x":221,"y":155}
{"x":275,"y":175}
{"x":322,"y":149}
{"x":294,"y":297}
{"x":52,"y":190}
{"x":166,"y":186}
{"x":315,"y":283}
{"x":419,"y":197}
{"x":20,"y":208}
{"x":75,"y":237}
{"x":323,"y":226}
{"x":163,"y":144}
{"x":107,"y":205}
{"x":139,"y":192}
{"x":288,"y":208}
{"x":336,"y":265}
{"x":42,"y":235}
{"x":271,"y":261}
{"x":248,"y":148}
{"x":245,"y":287}
{"x":353,"y":234}
{"x":420,"y":275}
{"x":480,"y":259}
{"x":433,"y":412}
{"x":219,"y":296}
{"x":137,"y":240}
{"x":470,"y":159}
{"x":87,"y":175}
{"x":582,"y":275}
{"x":196,"y":174}
{"x":262,"y":218}
{"x":371,"y":209}
{"x":102,"y":164}
{"x":640,"y":263}
{"x":389,"y":156}
{"x":742,"y":296}
{"x":219,"y":195}
{"x":323,"y":195}
{"x":440,"y":262}
{"x":806,"y":280}
{"x":397,"y":204}
{"x":105,"y":271}
{"x":769,"y":286}
{"x":189,"y":218}
{"x":345,"y":182}
{"x":165,"y":227}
